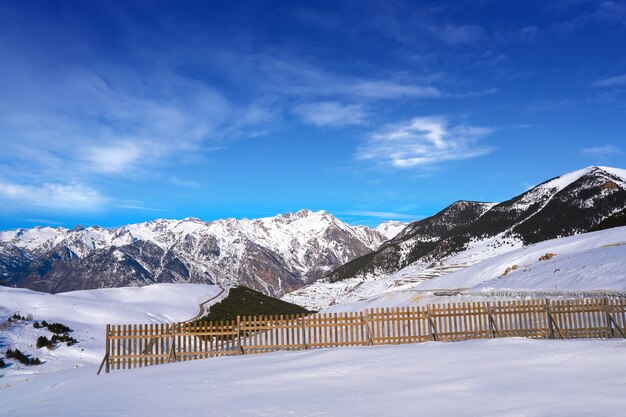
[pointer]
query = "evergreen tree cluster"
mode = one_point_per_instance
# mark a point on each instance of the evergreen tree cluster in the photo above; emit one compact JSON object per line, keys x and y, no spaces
{"x":22,"y":358}
{"x":17,"y":317}
{"x":60,"y":334}
{"x":243,"y":301}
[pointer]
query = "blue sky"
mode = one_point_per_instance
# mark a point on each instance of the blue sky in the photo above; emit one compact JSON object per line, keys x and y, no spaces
{"x":119,"y":112}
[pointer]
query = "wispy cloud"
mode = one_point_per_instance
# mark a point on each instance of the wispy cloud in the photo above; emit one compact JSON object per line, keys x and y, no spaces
{"x":459,"y":34}
{"x":603,"y":150}
{"x":611,"y":81}
{"x":424,"y":141}
{"x":549,"y":105}
{"x":44,"y":221}
{"x":331,"y":113}
{"x":382,"y":215}
{"x":70,"y":197}
{"x":138,"y":207}
{"x":295,"y":76}
{"x":114,"y":159}
{"x":181,"y":182}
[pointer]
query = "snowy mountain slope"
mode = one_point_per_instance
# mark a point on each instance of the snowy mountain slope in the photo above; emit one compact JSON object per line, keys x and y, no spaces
{"x":563,"y":206}
{"x":566,"y":205}
{"x":391,"y":228}
{"x":87,"y":313}
{"x":466,"y":379}
{"x":590,"y":262}
{"x":273,"y":255}
{"x":594,"y":260}
{"x":414,"y":241}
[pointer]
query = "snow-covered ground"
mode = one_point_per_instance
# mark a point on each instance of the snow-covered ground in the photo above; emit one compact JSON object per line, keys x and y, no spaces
{"x":498,"y":377}
{"x":87,"y":313}
{"x":586,"y":262}
{"x":594,"y":260}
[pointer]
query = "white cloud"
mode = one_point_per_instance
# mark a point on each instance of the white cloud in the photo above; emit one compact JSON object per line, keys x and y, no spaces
{"x":331,"y":113}
{"x":424,"y":141}
{"x":610,"y":82}
{"x":603,"y":150}
{"x":383,"y":89}
{"x":114,"y":159}
{"x":71,"y":197}
{"x":293,"y":76}
{"x":105,"y":121}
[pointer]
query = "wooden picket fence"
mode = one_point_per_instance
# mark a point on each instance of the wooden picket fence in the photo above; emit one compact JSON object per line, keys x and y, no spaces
{"x":131,"y":346}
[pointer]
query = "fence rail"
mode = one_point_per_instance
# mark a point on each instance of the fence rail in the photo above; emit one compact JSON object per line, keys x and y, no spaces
{"x":132,"y":346}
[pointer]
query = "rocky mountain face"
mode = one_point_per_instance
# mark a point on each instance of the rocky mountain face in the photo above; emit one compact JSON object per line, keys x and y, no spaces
{"x":273,"y":255}
{"x":570,"y":204}
{"x":413,"y":242}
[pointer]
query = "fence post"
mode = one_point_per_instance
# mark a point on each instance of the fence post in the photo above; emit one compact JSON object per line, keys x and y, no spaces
{"x":366,"y":321}
{"x":303,"y":327}
{"x":108,"y":350}
{"x":239,"y":349}
{"x":105,"y":360}
{"x":171,"y":351}
{"x":492,"y":324}
{"x":607,"y":313}
{"x":550,"y":321}
{"x":431,"y":325}
{"x":610,"y":319}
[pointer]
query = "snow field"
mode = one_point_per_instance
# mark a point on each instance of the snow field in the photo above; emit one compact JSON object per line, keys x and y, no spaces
{"x":588,"y":262}
{"x":87,"y":313}
{"x":498,"y":377}
{"x":594,"y":260}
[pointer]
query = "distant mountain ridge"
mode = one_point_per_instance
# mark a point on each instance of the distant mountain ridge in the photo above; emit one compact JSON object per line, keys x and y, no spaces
{"x":273,"y":255}
{"x":276,"y":255}
{"x":569,"y":204}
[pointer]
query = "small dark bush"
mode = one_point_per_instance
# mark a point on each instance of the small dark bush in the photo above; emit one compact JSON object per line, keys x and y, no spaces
{"x":22,"y":358}
{"x":43,"y":341}
{"x":44,"y":323}
{"x":58,"y":328}
{"x":2,"y":364}
{"x":36,"y":325}
{"x":18,"y":356}
{"x":64,"y":338}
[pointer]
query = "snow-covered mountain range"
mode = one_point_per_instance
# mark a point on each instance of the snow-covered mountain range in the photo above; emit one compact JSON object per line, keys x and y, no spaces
{"x":280,"y":254}
{"x":273,"y":255}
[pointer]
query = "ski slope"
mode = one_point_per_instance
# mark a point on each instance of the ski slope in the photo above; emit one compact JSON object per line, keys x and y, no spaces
{"x":87,"y":313}
{"x":497,"y":377}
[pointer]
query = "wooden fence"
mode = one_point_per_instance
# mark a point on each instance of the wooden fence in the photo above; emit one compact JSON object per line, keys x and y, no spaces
{"x":131,"y":346}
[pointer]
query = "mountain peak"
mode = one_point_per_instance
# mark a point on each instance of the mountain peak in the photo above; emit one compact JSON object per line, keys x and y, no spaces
{"x":390,"y":228}
{"x":565,"y":180}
